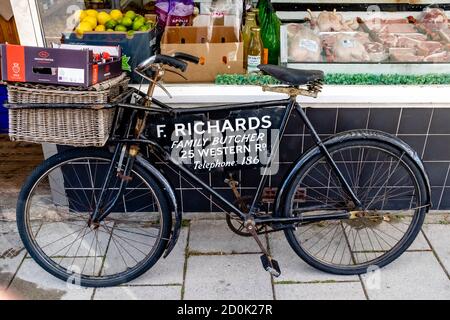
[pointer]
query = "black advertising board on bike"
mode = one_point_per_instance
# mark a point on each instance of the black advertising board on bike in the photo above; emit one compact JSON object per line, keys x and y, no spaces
{"x":219,"y":139}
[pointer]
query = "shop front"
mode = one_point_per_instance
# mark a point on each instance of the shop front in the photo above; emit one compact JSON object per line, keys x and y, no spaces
{"x":385,"y":63}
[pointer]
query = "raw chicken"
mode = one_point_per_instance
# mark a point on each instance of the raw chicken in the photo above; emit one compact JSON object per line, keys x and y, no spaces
{"x":348,"y":49}
{"x":331,"y":21}
{"x":303,"y":43}
{"x":329,"y":38}
{"x":433,"y":19}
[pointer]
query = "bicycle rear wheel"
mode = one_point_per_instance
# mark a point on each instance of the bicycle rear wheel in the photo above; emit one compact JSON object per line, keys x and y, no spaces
{"x":53,"y":211}
{"x":394,"y":200}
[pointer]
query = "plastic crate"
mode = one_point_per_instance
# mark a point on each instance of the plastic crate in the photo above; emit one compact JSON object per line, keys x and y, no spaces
{"x":3,"y":110}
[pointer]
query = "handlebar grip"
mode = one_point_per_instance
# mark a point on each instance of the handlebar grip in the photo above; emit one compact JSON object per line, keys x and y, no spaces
{"x":171,"y":61}
{"x":186,"y":57}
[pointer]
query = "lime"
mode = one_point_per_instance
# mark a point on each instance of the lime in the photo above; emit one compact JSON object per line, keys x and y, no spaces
{"x":127,"y":22}
{"x":109,"y":30}
{"x":103,"y":17}
{"x":139,"y":17}
{"x":91,"y":20}
{"x":111,"y":24}
{"x":120,"y":28}
{"x":130,"y":33}
{"x":137,"y":24}
{"x":144,"y":28}
{"x":130,"y":14}
{"x":116,"y":14}
{"x":119,"y":21}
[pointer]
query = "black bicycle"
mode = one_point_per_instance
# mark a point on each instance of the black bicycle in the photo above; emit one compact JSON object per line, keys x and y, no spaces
{"x":104,"y":216}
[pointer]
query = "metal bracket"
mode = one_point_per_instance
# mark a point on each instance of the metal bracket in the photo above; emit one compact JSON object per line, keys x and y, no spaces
{"x":312,"y":89}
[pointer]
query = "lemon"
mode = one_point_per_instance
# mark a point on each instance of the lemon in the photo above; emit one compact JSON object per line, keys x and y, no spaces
{"x":83,"y":27}
{"x":91,"y":20}
{"x":116,"y":14}
{"x":92,"y":13}
{"x":80,"y":15}
{"x":103,"y":17}
{"x":100,"y":28}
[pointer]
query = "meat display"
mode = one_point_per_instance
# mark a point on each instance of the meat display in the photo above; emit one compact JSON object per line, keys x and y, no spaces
{"x":304,"y":44}
{"x":406,"y":39}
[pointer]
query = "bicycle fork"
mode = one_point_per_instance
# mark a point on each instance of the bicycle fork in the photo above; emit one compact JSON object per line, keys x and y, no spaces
{"x":121,"y":165}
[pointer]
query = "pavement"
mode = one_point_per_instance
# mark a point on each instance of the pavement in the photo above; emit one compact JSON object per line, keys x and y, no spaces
{"x":211,"y":262}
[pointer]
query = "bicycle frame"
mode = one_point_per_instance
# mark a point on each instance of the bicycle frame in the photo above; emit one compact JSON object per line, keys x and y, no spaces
{"x":289,"y":105}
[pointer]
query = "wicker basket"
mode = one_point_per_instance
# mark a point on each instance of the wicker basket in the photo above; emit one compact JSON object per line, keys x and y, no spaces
{"x":97,"y":94}
{"x":62,"y":115}
{"x":76,"y":127}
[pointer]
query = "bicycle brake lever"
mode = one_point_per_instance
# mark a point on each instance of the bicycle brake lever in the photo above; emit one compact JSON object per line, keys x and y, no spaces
{"x":164,"y":89}
{"x":176,"y":73}
{"x":155,"y":82}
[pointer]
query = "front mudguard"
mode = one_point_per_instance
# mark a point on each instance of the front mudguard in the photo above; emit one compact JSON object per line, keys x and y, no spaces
{"x":169,"y":192}
{"x":343,"y":137}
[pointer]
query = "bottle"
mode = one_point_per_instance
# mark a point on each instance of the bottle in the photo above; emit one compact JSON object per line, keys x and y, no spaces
{"x":270,"y":31}
{"x":246,"y":34}
{"x":255,"y":12}
{"x":255,"y":51}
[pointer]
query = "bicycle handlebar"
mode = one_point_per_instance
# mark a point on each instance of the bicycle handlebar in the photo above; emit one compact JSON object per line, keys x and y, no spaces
{"x":171,"y":61}
{"x":186,"y":57}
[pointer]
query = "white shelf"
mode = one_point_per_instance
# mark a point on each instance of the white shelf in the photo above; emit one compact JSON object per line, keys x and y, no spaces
{"x":331,"y":96}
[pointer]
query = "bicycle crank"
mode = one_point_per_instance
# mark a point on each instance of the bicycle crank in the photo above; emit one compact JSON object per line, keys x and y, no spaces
{"x":269,"y":264}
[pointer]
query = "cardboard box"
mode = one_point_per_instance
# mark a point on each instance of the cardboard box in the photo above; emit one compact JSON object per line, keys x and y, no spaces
{"x":219,"y":45}
{"x":69,"y":67}
{"x":135,"y":48}
{"x":205,"y":20}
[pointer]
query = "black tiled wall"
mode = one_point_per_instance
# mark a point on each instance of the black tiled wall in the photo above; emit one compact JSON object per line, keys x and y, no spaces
{"x":427,"y":130}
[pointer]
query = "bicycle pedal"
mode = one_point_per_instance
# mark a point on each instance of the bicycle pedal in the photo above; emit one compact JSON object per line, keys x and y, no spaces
{"x":271,"y":265}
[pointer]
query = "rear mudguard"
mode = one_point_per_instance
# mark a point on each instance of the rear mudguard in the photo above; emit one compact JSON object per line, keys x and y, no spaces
{"x":343,"y":137}
{"x":171,"y":199}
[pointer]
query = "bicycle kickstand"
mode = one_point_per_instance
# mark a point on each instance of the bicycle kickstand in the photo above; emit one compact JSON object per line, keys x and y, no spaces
{"x":269,"y":264}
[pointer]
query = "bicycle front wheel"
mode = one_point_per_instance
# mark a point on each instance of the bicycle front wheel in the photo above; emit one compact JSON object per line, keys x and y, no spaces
{"x":394,"y":200}
{"x":53,"y":212}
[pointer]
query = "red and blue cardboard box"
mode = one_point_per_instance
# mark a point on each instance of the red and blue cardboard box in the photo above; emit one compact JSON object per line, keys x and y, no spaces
{"x":65,"y":65}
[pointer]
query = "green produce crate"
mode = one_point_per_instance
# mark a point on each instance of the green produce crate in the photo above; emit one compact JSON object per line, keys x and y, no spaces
{"x":135,"y":48}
